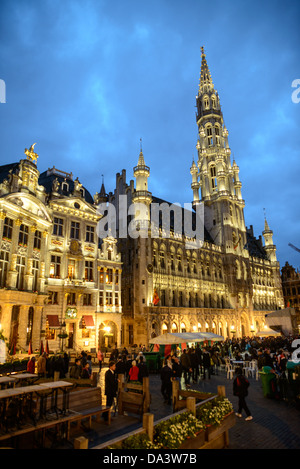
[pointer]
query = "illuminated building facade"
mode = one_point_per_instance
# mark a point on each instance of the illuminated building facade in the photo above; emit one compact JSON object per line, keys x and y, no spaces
{"x":56,"y":276}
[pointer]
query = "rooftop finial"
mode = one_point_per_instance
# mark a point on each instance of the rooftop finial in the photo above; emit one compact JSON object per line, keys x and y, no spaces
{"x":202,"y":50}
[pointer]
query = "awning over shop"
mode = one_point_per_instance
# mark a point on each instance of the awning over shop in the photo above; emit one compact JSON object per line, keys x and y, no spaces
{"x":88,"y":320}
{"x":53,"y":320}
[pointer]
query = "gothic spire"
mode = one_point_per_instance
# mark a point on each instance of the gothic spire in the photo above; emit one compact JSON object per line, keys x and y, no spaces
{"x":205,"y":76}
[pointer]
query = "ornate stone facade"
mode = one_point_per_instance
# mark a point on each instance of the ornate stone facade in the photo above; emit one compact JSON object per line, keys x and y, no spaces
{"x":56,"y":276}
{"x":229,"y":283}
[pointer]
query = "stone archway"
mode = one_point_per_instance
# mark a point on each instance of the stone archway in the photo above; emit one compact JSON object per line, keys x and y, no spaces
{"x":107,"y":334}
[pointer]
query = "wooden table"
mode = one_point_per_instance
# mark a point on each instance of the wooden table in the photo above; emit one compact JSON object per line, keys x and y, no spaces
{"x":5,"y":381}
{"x":7,"y":397}
{"x":55,"y":386}
{"x":27,"y":377}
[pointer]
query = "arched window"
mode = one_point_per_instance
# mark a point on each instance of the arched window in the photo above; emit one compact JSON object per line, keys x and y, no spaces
{"x":209,"y":135}
{"x":217,"y":134}
{"x":206,"y":102}
{"x":213,"y":177}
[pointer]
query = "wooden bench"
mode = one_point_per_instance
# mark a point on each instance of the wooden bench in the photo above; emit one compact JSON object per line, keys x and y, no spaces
{"x":133,"y":397}
{"x":180,"y":396}
{"x":87,"y":403}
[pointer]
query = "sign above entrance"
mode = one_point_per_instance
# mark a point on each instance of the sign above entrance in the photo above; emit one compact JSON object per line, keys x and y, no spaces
{"x":71,"y":313}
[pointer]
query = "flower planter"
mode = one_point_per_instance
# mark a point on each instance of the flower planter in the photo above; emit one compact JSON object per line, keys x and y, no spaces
{"x":194,"y":443}
{"x":214,"y":431}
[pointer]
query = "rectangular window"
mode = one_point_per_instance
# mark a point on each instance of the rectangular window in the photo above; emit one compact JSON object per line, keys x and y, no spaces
{"x":20,"y":266}
{"x":75,"y":230}
{"x":52,"y":298}
{"x":37,"y":240}
{"x":4,"y":261}
{"x":89,"y":234}
{"x":71,"y":299}
{"x":58,"y":226}
{"x":109,"y":298}
{"x":35,"y":271}
{"x":116,"y":299}
{"x":23,"y":235}
{"x":55,"y":267}
{"x":101,"y":298}
{"x":71,"y":269}
{"x":109,"y":276}
{"x":87,"y":299}
{"x":89,"y":271}
{"x":7,"y":228}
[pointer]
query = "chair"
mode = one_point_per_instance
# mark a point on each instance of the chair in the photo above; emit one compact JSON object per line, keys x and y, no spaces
{"x":230,"y":372}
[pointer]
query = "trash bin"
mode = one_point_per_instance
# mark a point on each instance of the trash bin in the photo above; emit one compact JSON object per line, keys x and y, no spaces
{"x":269,"y":383}
{"x":153,"y":361}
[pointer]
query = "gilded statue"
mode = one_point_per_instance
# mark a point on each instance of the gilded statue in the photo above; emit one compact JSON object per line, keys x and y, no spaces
{"x":31,"y":155}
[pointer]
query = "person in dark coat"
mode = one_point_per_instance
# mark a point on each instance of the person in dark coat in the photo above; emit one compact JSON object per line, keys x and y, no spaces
{"x":143,"y":369}
{"x":111,"y":386}
{"x":206,"y":363}
{"x":240,"y":389}
{"x":166,"y":375}
{"x":186,"y":367}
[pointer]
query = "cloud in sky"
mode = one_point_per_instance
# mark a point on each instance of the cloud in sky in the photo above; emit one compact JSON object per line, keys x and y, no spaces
{"x":87,"y":80}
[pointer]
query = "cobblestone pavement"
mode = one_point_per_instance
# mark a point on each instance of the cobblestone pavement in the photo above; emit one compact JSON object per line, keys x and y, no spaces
{"x":275,"y":424}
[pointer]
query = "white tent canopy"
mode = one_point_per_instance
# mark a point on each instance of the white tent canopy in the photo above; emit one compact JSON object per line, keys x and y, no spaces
{"x":267,"y":333}
{"x":184,"y":337}
{"x":284,"y":319}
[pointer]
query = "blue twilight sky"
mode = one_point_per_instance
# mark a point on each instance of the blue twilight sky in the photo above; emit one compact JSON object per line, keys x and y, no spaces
{"x":87,"y":79}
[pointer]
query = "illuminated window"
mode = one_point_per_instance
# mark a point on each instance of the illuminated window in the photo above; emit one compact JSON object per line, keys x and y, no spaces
{"x":71,"y":269}
{"x":55,"y":267}
{"x":89,"y":271}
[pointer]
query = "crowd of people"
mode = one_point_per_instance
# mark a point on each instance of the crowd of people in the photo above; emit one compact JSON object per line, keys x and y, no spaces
{"x":190,"y":364}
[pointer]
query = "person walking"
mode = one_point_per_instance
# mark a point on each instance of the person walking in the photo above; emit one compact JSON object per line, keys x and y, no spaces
{"x":186,"y":367}
{"x":100,"y":357}
{"x":240,"y":389}
{"x":206,"y":363}
{"x":166,"y":375}
{"x":110,"y":386}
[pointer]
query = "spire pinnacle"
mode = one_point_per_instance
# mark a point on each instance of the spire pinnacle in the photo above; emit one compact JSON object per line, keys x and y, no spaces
{"x":205,"y":76}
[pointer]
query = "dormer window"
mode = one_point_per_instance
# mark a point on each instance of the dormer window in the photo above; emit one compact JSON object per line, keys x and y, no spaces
{"x":65,"y":187}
